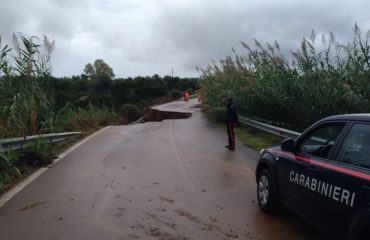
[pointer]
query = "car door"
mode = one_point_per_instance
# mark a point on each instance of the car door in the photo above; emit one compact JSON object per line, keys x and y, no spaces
{"x":298,"y":170}
{"x":347,"y":196}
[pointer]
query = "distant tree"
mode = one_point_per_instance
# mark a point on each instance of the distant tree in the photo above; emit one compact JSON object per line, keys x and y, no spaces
{"x":101,"y":75}
{"x":156,"y":77}
{"x":80,"y":85}
{"x":80,"y":90}
{"x":176,"y":93}
{"x":103,"y":83}
{"x":89,"y":70}
{"x":99,"y":69}
{"x":150,"y":88}
{"x":172,"y":82}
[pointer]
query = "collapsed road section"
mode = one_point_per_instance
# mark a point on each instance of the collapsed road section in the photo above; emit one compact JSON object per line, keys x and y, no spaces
{"x":172,"y":110}
{"x":158,"y":180}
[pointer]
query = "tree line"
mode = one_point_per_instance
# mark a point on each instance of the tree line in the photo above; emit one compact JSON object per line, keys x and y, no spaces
{"x":82,"y":90}
{"x":32,"y":101}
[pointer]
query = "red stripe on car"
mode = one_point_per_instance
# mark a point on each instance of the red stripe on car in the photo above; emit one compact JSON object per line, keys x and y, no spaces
{"x":325,"y":165}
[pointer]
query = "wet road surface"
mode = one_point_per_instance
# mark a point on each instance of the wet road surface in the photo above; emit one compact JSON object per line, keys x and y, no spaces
{"x":159,"y":180}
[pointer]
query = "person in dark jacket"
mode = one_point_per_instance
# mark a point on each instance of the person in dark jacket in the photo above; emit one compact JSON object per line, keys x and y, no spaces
{"x":231,"y":118}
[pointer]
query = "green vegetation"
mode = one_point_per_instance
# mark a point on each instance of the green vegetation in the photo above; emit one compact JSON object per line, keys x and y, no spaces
{"x":213,"y":114}
{"x":315,"y":81}
{"x":176,"y":93}
{"x":255,"y":139}
{"x":26,"y":105}
{"x":77,"y":118}
{"x":33,"y":102}
{"x":26,"y":101}
{"x":8,"y":168}
{"x":39,"y":153}
{"x":130,"y":112}
{"x":250,"y":137}
{"x":141,"y":91}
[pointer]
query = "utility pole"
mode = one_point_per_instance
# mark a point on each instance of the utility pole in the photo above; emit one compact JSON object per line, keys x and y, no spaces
{"x":172,"y":72}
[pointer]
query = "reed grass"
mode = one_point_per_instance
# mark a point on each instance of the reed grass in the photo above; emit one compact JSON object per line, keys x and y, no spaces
{"x":75,"y":118}
{"x":315,"y":81}
{"x":27,"y":105}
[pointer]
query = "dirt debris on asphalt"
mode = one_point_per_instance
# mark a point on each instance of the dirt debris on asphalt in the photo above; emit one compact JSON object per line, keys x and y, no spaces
{"x":158,"y":180}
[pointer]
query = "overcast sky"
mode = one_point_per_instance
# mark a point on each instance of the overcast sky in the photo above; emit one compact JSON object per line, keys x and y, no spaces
{"x":145,"y":37}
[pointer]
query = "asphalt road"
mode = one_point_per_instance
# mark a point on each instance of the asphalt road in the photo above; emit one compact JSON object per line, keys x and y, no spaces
{"x":159,"y":180}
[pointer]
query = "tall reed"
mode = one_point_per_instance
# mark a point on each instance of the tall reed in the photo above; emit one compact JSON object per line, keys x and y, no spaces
{"x":315,"y":81}
{"x":27,"y":105}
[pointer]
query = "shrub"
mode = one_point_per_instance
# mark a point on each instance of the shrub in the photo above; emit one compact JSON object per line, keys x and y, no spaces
{"x":215,"y":115}
{"x":8,"y":168}
{"x":176,"y":93}
{"x":130,"y":112}
{"x":39,"y":153}
{"x":75,"y":118}
{"x":8,"y":161}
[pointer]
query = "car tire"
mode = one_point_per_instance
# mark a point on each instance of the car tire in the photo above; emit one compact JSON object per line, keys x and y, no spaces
{"x":266,"y":192}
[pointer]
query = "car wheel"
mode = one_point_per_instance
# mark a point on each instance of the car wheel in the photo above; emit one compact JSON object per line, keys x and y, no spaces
{"x":265,"y":192}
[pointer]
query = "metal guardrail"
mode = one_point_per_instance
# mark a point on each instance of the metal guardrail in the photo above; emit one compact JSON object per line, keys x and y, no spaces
{"x":281,"y":132}
{"x":141,"y":120}
{"x":20,"y":142}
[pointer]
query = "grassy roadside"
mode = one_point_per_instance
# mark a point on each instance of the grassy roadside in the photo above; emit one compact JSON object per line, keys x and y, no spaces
{"x":252,"y":138}
{"x":26,"y":169}
{"x":15,"y":166}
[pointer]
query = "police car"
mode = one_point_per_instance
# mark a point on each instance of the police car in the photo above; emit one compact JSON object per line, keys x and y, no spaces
{"x":323,"y":176}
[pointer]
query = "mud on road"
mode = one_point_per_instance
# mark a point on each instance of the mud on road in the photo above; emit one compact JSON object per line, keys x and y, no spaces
{"x":159,"y":180}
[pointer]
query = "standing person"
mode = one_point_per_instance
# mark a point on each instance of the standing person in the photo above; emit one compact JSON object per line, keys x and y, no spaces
{"x":231,"y":118}
{"x":187,"y":96}
{"x":199,"y":97}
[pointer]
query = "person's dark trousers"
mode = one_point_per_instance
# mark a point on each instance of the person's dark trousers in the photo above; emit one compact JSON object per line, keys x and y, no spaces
{"x":230,"y":134}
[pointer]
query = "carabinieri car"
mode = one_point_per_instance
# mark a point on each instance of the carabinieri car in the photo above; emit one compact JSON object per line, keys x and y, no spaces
{"x":323,"y":176}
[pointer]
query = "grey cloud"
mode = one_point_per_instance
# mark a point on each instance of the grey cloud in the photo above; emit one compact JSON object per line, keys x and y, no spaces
{"x":210,"y":32}
{"x":148,"y":37}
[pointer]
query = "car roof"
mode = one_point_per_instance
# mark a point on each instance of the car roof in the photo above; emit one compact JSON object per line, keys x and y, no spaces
{"x":363,"y":117}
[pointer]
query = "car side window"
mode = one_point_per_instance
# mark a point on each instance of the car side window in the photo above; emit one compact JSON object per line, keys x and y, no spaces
{"x":320,"y":141}
{"x":356,"y":147}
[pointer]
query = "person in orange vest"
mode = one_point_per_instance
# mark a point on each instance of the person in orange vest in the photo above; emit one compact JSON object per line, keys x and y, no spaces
{"x":187,"y":96}
{"x":231,"y":118}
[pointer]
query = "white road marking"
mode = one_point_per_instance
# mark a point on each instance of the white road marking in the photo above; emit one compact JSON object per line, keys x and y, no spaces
{"x":12,"y":192}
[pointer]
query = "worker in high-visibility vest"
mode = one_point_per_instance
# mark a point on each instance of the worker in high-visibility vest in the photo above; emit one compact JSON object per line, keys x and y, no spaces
{"x":231,"y":117}
{"x":187,"y":96}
